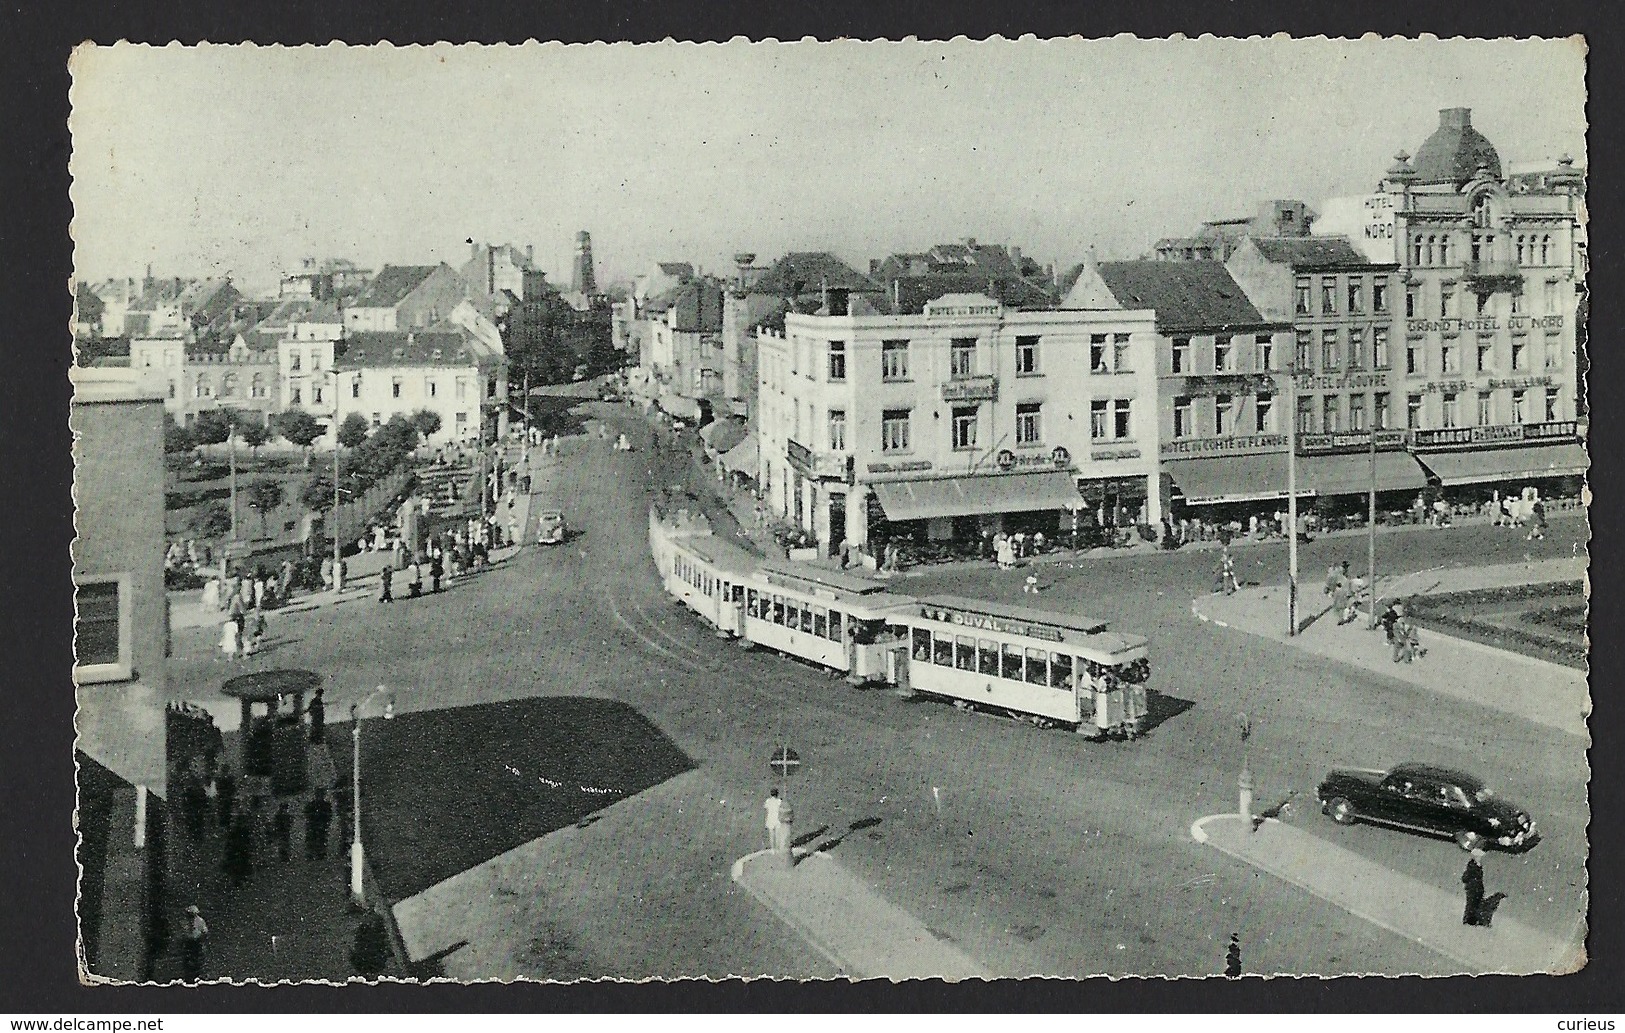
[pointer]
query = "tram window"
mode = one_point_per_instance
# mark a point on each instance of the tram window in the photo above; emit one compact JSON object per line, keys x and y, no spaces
{"x":1060,"y":671}
{"x":807,"y":619}
{"x":943,"y":656}
{"x":752,"y":599}
{"x":835,"y":619}
{"x":965,"y":653}
{"x":821,"y":622}
{"x":988,"y":654}
{"x":922,"y":644}
{"x":792,"y":614}
{"x":1037,"y":667}
{"x":1012,"y":662}
{"x":739,"y":593}
{"x":778,"y":609}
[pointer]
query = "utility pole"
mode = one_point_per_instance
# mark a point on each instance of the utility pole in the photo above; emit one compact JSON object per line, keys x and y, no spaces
{"x":1371,"y":528}
{"x":1292,"y":500}
{"x":338,"y":584}
{"x":231,"y":448}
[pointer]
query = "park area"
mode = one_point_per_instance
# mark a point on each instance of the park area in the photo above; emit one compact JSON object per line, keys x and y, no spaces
{"x":1546,"y":621}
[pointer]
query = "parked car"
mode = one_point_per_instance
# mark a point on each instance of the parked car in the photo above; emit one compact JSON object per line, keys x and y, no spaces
{"x":1426,"y":798}
{"x":550,"y":527}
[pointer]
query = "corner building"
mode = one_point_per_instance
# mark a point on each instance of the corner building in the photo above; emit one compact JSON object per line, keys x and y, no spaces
{"x":961,"y":420}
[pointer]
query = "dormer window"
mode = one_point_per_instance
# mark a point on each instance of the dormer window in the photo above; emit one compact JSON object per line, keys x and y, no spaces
{"x":400,"y":353}
{"x":435,"y":355}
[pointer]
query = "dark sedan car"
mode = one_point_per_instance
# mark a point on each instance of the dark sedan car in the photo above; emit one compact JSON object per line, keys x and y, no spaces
{"x":1428,"y":799}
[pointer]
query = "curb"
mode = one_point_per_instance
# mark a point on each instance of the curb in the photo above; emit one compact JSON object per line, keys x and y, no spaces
{"x":829,"y":953}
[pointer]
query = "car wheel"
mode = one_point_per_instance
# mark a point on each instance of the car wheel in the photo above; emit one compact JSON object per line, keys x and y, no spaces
{"x":1469,"y":840}
{"x":1341,"y":811}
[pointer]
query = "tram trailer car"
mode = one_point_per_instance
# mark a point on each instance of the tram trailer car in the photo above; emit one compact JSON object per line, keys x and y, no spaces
{"x":708,"y":575}
{"x":841,"y":621}
{"x":1046,"y":667}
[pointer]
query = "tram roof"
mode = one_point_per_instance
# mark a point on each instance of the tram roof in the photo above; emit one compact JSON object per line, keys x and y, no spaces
{"x":1024,"y":614}
{"x":840,"y":581}
{"x":727,"y":556}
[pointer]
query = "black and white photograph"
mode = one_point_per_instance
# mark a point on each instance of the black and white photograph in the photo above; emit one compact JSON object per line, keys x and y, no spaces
{"x":830,"y":510}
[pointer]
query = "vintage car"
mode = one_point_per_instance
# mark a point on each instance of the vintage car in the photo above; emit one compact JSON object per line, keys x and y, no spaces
{"x":550,"y":527}
{"x":1428,"y":799}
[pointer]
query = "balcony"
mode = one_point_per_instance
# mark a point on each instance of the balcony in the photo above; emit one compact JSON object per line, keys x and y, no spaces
{"x":1493,"y":277}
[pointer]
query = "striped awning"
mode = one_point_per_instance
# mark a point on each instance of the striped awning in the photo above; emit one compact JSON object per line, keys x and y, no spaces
{"x":977,"y":496}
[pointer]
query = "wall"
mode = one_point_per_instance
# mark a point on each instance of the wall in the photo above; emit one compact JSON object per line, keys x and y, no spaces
{"x":377,"y":396}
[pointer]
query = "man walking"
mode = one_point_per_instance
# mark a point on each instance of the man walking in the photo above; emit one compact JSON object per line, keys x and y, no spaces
{"x":387,"y":577}
{"x":317,"y":712}
{"x":193,"y":943}
{"x":1472,"y":881}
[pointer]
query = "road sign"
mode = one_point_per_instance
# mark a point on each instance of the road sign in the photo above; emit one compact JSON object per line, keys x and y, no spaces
{"x":785,"y":762}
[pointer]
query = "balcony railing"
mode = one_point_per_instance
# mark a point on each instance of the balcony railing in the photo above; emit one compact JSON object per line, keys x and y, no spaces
{"x":1492,"y":268}
{"x":1493,"y":277}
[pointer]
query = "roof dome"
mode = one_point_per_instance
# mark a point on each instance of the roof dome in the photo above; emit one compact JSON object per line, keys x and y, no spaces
{"x":1456,"y":151}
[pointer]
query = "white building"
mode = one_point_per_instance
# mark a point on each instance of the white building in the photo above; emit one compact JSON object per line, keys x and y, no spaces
{"x":443,"y":368}
{"x":954,"y":423}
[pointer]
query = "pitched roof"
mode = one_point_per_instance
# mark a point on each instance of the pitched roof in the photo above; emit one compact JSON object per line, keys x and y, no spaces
{"x":699,"y":307}
{"x":908,"y":295}
{"x":1315,"y":252}
{"x":393,"y":283}
{"x":809,"y":272}
{"x":1185,"y":295}
{"x":682,"y":270}
{"x":443,"y":344}
{"x":89,"y":306}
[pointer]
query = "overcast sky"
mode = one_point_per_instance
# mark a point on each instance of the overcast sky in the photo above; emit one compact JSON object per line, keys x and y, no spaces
{"x":207,"y":160}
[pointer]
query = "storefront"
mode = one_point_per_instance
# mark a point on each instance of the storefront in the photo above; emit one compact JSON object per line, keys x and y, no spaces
{"x":1209,"y":473}
{"x":1339,"y":470}
{"x":966,"y":510}
{"x":1480,"y":460}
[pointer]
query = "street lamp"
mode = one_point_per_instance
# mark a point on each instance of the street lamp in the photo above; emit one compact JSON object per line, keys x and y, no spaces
{"x":1292,"y":500}
{"x":357,"y":852}
{"x":338,"y":580}
{"x":1244,"y":725}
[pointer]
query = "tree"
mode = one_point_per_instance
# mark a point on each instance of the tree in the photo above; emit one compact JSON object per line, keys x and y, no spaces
{"x":353,"y":431}
{"x":300,"y":428}
{"x":210,"y":520}
{"x":253,"y":435}
{"x":213,"y":426}
{"x":318,"y":494}
{"x":176,"y":437}
{"x":265,"y":495}
{"x":427,"y":422}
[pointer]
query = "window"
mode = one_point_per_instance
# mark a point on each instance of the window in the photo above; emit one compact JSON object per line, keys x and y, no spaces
{"x":1264,"y":352}
{"x":355,"y":386}
{"x":1060,"y":671}
{"x":315,"y":361}
{"x":1026,"y":356}
{"x":1037,"y":667}
{"x":1012,"y":662}
{"x":1357,"y":412}
{"x":1481,"y":303}
{"x":837,"y":362}
{"x":293,"y":361}
{"x":1486,"y":356}
{"x":1486,"y":408}
{"x":1520,"y":401}
{"x":1123,"y":421}
{"x":1099,"y":418}
{"x":894,"y":430}
{"x":1551,"y":295}
{"x":1224,"y":415}
{"x":1301,"y":292}
{"x":1450,"y":356}
{"x":894,"y":360}
{"x":965,"y":653}
{"x":1328,"y":295}
{"x":1520,"y":353}
{"x":1553,"y":353}
{"x":101,"y":645}
{"x":837,"y":430}
{"x":964,"y":427}
{"x":462,"y":417}
{"x":462,"y":387}
{"x":256,"y":386}
{"x":172,"y":390}
{"x":1331,"y":414}
{"x":1224,"y":354}
{"x":1306,"y":414}
{"x":228,"y":386}
{"x":1414,"y":363}
{"x":316,"y":395}
{"x":395,"y":387}
{"x":294,"y":395}
{"x":1356,"y":295}
{"x":1120,"y":354}
{"x":1552,"y":395}
{"x":1379,"y":296}
{"x":1452,"y":410}
{"x":1447,"y":301}
{"x":962,"y":357}
{"x":1545,"y":250}
{"x":491,"y":388}
{"x":1097,"y":354}
{"x":1029,"y":423}
{"x":1357,"y":347}
{"x":1517,"y":302}
{"x":1413,"y":412}
{"x":376,"y":421}
{"x":1329,"y":358}
{"x":1410,"y":302}
{"x":430,"y":388}
{"x":943,"y":654}
{"x":1306,"y":351}
{"x":1379,"y":408}
{"x":1183,"y":428}
{"x":1182,"y":355}
{"x":1264,"y":414}
{"x":1379,"y":347}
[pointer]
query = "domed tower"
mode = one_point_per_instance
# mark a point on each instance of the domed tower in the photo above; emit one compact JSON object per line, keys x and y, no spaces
{"x":582,"y":280}
{"x":1455,"y":152}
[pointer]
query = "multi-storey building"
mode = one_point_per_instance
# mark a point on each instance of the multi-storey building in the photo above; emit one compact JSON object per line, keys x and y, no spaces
{"x":406,"y":297}
{"x":444,"y":369}
{"x":243,"y":377}
{"x":684,"y":353}
{"x":1217,"y":361}
{"x":493,"y":268}
{"x":963,"y":419}
{"x":1217,"y":239}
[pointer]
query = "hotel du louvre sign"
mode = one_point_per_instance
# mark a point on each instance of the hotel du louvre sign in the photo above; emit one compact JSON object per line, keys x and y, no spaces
{"x":1483,"y":324}
{"x":820,"y":465}
{"x":1226,"y":446}
{"x":1059,"y":458}
{"x":1350,"y":381}
{"x":971,"y":389}
{"x":1352,"y":441}
{"x":1229,"y":384}
{"x":1500,"y":434}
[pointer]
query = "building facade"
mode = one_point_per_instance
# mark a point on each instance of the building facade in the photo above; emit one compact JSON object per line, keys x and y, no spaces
{"x":406,"y":297}
{"x":956,"y":422}
{"x":444,"y":369}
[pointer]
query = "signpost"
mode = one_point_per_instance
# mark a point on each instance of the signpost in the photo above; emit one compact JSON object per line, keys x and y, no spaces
{"x":785,"y":762}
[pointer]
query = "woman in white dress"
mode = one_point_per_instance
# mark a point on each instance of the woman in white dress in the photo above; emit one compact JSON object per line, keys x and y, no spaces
{"x":230,"y":640}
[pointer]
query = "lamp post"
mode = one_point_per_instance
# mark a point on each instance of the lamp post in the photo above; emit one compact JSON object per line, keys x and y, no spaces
{"x":1371,"y":529}
{"x":1244,"y":725}
{"x":358,"y":855}
{"x":231,"y":450}
{"x":1292,"y":500}
{"x":338,"y":581}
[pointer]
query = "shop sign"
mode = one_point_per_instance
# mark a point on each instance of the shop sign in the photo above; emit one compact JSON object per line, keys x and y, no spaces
{"x":971,"y":389}
{"x":1519,"y":382}
{"x":959,"y":306}
{"x":1230,"y":384}
{"x":1246,"y":445}
{"x":1352,"y":441}
{"x":1475,"y":325}
{"x":1519,"y":324}
{"x":901,"y":466}
{"x":1059,"y":457}
{"x":1107,"y":454}
{"x":819,"y":465}
{"x":1435,"y":387}
{"x":987,"y":622}
{"x":1344,"y":382}
{"x":1500,"y":434}
{"x":1548,"y":431}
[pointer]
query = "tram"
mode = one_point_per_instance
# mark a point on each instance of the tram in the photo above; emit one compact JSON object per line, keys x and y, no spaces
{"x":1049,"y":668}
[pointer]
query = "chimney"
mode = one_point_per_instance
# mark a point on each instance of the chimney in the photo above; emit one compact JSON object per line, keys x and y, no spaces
{"x":1015,"y":258}
{"x":146,"y":282}
{"x":1455,"y":118}
{"x":473,"y":250}
{"x":530,"y":254}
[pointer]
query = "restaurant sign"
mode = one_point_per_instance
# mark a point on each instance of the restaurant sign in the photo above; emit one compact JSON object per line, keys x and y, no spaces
{"x":1060,"y":457}
{"x":1461,"y":384}
{"x":1352,"y":441}
{"x":987,"y":622}
{"x":820,"y":465}
{"x":1247,"y":445}
{"x":1499,"y":434}
{"x":1230,"y":384}
{"x":971,"y":389}
{"x":960,"y":306}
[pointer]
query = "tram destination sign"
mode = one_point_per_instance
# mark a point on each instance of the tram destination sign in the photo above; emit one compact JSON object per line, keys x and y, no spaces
{"x":987,"y":622}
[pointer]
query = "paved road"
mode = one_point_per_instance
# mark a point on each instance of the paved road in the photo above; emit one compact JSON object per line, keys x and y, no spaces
{"x":1048,"y":854}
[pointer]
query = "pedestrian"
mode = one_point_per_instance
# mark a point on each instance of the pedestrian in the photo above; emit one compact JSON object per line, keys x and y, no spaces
{"x":1537,"y":520}
{"x":1472,"y":881}
{"x":231,"y":640}
{"x":317,"y":712}
{"x":1031,"y":585}
{"x":387,"y":576}
{"x":773,"y":806}
{"x":1406,"y":644}
{"x":1227,"y":573}
{"x":282,"y":832}
{"x":318,"y":814}
{"x":193,"y":943}
{"x":1389,"y":618}
{"x":414,"y":588}
{"x":1038,"y":542}
{"x":327,"y":573}
{"x":256,"y":633}
{"x":436,"y":569}
{"x":285,"y":580}
{"x":1007,"y":552}
{"x":225,"y":794}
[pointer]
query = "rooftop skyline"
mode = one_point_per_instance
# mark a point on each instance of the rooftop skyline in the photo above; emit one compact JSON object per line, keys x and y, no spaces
{"x":243,"y":160}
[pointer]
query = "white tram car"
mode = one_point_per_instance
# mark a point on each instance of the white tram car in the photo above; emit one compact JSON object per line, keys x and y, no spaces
{"x":1045,"y":667}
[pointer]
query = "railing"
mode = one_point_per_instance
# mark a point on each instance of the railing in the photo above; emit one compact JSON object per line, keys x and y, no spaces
{"x":353,"y":516}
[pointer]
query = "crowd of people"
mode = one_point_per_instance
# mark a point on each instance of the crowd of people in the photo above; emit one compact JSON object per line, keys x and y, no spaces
{"x":245,"y":596}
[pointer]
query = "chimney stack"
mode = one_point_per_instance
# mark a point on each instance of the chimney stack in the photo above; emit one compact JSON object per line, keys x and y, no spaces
{"x":1015,"y":258}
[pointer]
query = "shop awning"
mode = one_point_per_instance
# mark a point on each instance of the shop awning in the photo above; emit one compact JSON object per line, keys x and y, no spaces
{"x":721,"y":435}
{"x":977,"y":496}
{"x":1507,"y":464}
{"x":743,"y":457}
{"x":1350,"y":474}
{"x":1232,"y":478}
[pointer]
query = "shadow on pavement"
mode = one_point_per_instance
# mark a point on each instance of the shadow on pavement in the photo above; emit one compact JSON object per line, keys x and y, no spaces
{"x":1162,"y":707}
{"x":856,"y":826}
